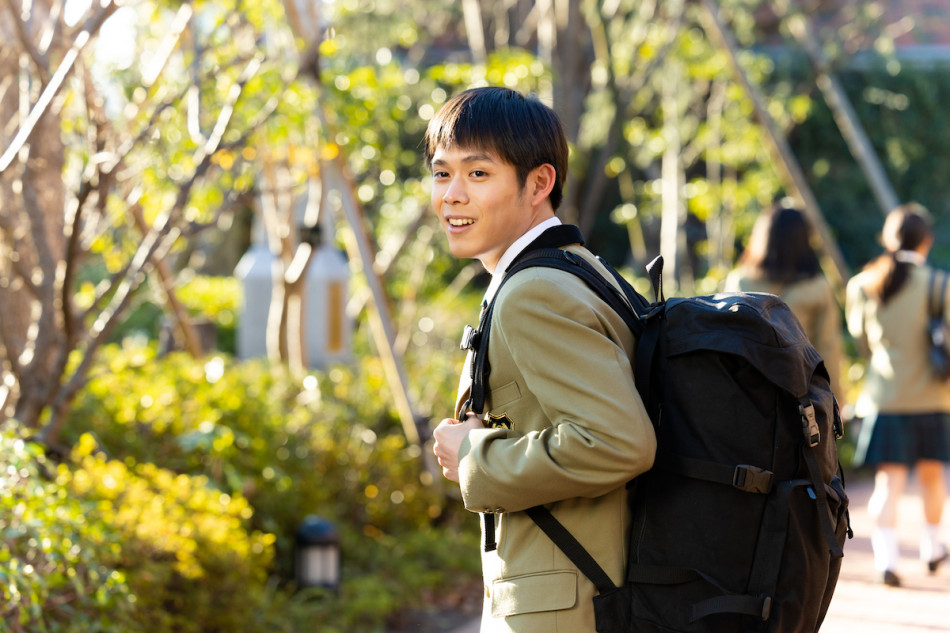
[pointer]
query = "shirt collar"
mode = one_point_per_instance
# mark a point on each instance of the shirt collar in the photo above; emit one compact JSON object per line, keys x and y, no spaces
{"x":513,"y":251}
{"x":910,"y":257}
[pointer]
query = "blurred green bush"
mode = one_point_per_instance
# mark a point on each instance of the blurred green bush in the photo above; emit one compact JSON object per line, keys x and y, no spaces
{"x":326,"y":443}
{"x":93,"y":544}
{"x":57,"y":557}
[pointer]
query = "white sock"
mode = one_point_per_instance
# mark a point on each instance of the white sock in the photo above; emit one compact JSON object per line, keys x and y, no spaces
{"x":884,"y":544}
{"x":930,"y":546}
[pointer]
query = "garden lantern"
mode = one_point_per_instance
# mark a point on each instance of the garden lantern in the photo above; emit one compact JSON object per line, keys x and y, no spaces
{"x":327,"y":330}
{"x":317,"y":554}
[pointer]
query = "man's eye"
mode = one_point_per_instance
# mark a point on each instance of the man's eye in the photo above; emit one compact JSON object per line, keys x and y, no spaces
{"x":478,"y":173}
{"x":439,"y":174}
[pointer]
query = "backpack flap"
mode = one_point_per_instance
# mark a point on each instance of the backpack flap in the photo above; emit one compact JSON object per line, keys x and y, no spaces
{"x":757,"y":327}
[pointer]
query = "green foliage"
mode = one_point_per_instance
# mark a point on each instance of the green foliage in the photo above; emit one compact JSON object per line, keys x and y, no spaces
{"x":100,"y":545}
{"x":58,"y":558}
{"x":189,"y":561}
{"x":327,"y":444}
{"x":902,"y":115}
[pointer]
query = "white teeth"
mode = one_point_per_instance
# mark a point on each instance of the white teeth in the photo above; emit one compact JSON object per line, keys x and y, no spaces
{"x":460,"y":221}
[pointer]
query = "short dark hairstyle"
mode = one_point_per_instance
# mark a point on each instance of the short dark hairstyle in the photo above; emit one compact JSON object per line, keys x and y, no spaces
{"x":521,"y":130}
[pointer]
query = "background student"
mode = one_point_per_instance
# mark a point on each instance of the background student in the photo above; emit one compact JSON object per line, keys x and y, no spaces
{"x":905,"y":409}
{"x":779,"y":259}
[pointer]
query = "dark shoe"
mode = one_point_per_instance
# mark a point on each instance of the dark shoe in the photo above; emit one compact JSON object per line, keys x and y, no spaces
{"x":935,"y":563}
{"x":891,"y":579}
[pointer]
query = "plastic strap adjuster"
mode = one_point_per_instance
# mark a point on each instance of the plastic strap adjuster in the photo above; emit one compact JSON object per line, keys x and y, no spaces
{"x":470,"y":338}
{"x":810,"y":424}
{"x":752,"y":479}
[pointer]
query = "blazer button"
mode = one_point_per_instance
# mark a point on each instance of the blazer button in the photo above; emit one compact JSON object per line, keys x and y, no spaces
{"x":487,"y":592}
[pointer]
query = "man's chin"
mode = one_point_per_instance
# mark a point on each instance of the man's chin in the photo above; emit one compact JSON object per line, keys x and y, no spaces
{"x":462,"y":251}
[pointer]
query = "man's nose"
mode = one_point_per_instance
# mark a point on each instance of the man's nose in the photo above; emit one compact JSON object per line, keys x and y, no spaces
{"x":455,"y":192}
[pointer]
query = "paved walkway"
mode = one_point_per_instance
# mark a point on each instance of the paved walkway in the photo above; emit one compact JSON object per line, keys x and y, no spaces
{"x":863,"y":604}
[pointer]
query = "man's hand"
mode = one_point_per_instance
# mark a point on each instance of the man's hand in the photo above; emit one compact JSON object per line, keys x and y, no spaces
{"x":448,"y":439}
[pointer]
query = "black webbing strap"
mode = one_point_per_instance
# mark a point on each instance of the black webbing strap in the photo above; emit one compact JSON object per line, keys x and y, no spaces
{"x":742,"y":604}
{"x":550,"y":258}
{"x":824,"y":508}
{"x":488,"y":521}
{"x":935,"y":306}
{"x":759,"y":606}
{"x":810,"y":445}
{"x":621,"y":300}
{"x":574,"y":551}
{"x":745,"y":477}
{"x":763,"y":577}
{"x":617,"y":299}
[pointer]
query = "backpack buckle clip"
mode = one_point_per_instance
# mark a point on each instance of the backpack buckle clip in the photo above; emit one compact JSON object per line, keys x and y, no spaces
{"x":470,"y":338}
{"x":752,"y":479}
{"x":810,"y":424}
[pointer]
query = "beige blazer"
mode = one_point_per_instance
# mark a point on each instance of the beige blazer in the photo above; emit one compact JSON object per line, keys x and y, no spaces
{"x":566,"y":428}
{"x":813,"y":302}
{"x":893,"y":337}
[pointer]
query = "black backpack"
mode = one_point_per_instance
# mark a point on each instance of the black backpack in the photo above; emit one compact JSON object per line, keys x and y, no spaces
{"x":740,"y":524}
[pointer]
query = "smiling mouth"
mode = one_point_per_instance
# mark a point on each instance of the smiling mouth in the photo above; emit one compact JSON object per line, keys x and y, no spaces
{"x":460,"y":221}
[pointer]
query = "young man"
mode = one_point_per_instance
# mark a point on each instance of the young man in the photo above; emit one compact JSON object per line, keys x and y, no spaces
{"x":563,"y":425}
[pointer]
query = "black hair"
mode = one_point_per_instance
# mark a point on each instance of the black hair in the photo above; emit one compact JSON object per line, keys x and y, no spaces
{"x":780,"y":248}
{"x":521,"y":130}
{"x":905,"y":229}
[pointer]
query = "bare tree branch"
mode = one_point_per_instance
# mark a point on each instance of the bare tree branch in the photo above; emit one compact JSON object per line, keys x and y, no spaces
{"x":55,"y":83}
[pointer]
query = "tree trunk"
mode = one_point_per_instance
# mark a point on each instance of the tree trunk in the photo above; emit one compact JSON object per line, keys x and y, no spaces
{"x":32,"y":220}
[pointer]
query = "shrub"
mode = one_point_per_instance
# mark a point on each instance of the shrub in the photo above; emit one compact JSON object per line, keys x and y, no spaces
{"x":190,"y":563}
{"x":58,"y":569}
{"x":325,"y":444}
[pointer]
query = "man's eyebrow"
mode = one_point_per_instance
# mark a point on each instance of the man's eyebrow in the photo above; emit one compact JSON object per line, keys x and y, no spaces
{"x":470,"y":158}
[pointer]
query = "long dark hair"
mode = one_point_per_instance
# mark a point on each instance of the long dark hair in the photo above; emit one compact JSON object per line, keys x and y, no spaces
{"x":905,"y":229}
{"x":780,"y":246}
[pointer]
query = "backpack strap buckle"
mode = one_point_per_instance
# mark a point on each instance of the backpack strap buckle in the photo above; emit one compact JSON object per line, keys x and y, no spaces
{"x":752,"y":479}
{"x":809,"y":424}
{"x":470,"y":338}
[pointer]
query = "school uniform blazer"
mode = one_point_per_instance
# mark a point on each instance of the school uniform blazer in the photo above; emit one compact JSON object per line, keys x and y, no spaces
{"x":894,"y":338}
{"x":813,"y":303}
{"x":565,"y":427}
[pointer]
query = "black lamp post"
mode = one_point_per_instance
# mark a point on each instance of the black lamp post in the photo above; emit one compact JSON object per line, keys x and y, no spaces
{"x":317,"y":554}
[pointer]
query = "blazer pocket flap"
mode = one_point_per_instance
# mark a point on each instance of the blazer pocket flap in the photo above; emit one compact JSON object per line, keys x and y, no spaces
{"x":505,"y":394}
{"x":533,"y":593}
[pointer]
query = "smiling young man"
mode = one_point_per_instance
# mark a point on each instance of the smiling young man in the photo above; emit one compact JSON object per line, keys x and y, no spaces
{"x":563,"y":425}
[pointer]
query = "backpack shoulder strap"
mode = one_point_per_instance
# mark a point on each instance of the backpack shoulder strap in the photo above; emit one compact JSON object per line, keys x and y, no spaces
{"x":572,"y":548}
{"x":935,"y":304}
{"x":625,"y":301}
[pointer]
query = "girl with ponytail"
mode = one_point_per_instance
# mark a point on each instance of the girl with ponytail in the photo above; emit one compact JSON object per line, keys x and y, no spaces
{"x":905,"y":408}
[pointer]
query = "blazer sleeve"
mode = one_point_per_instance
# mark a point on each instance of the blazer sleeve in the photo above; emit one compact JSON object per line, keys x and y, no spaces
{"x":854,"y":312}
{"x":591,"y":433}
{"x":827,"y":334}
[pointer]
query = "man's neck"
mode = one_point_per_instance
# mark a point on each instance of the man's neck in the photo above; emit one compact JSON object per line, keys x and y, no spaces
{"x":514,"y":250}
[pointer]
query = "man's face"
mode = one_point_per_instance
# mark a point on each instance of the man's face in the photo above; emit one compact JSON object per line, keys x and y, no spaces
{"x":480,"y":203}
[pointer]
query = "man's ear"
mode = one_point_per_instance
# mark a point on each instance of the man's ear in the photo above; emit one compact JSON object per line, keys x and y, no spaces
{"x":540,"y":182}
